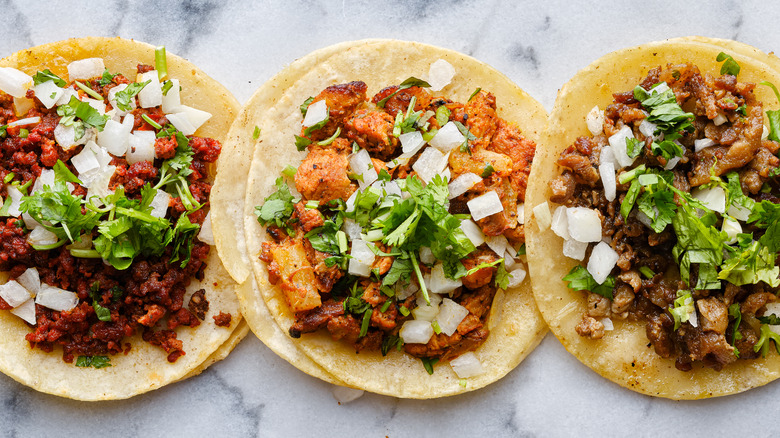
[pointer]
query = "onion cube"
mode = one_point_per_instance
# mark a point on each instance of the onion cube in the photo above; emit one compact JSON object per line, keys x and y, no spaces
{"x":702,"y":143}
{"x":731,"y":228}
{"x":647,"y":128}
{"x":440,"y":74}
{"x":430,"y":163}
{"x":521,"y":213}
{"x":361,"y":164}
{"x":440,"y":284}
{"x":447,"y":138}
{"x":595,"y":120}
{"x":765,"y":133}
{"x":114,"y":137}
{"x":30,"y":280}
{"x":29,"y":222}
{"x":99,"y":184}
{"x":404,"y":292}
{"x":66,"y":95}
{"x":739,"y":212}
{"x":584,"y":224}
{"x":66,"y":137}
{"x":317,"y":112}
{"x":713,"y":198}
{"x":426,"y":256}
{"x":352,"y":229}
{"x":206,"y":235}
{"x":560,"y":222}
{"x":719,"y":120}
{"x":516,"y":276}
{"x":451,"y":314}
{"x":26,"y":311}
{"x":112,"y":99}
{"x":140,"y":146}
{"x":160,"y":204}
{"x":472,"y":231}
{"x":195,"y":118}
{"x":362,"y":258}
{"x":425,"y":311}
{"x":14,"y":82}
{"x":411,"y":142}
{"x":86,"y":68}
{"x":151,"y":95}
{"x":14,"y":293}
{"x":485,"y":205}
{"x":46,"y":179}
{"x":467,"y":365}
{"x":607,"y":172}
{"x":25,"y":122}
{"x":22,"y":105}
{"x":342,"y":394}
{"x":415,"y":331}
{"x":86,"y":160}
{"x":499,"y":244}
{"x":463,"y":183}
{"x":607,"y":156}
{"x":602,"y":259}
{"x":171,"y":101}
{"x":618,"y":143}
{"x":608,"y":325}
{"x":574,"y":249}
{"x":40,"y":236}
{"x":56,"y":299}
{"x":16,"y":200}
{"x":542,"y":215}
{"x":98,"y":105}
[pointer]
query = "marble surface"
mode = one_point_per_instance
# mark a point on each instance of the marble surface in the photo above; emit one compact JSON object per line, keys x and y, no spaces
{"x":539,"y":45}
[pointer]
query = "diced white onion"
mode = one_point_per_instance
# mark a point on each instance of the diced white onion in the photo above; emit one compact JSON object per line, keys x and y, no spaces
{"x":389,"y":188}
{"x":16,"y":200}
{"x":467,"y":365}
{"x":542,"y":215}
{"x":440,"y":284}
{"x":56,"y":299}
{"x":426,"y":255}
{"x":499,"y":244}
{"x":22,"y":105}
{"x":151,"y":95}
{"x":140,"y":146}
{"x":350,"y":204}
{"x":112,"y":99}
{"x":739,"y":212}
{"x":602,"y":259}
{"x":618,"y":143}
{"x":595,"y":120}
{"x":647,"y":128}
{"x":584,"y":224}
{"x":463,"y":183}
{"x":404,"y":292}
{"x":509,"y":260}
{"x":342,"y":394}
{"x":14,"y":82}
{"x":114,"y":137}
{"x":189,"y":119}
{"x":99,"y":184}
{"x":86,"y":68}
{"x":485,"y":205}
{"x":86,"y":160}
{"x":773,"y":309}
{"x":41,"y":237}
{"x":411,"y":142}
{"x":702,"y":143}
{"x":447,"y":138}
{"x":25,"y":122}
{"x":26,"y":311}
{"x":317,"y":112}
{"x":30,"y":280}
{"x":607,"y":172}
{"x":560,"y":222}
{"x":352,"y":229}
{"x":472,"y":231}
{"x":415,"y":331}
{"x":765,"y":133}
{"x":440,"y":74}
{"x":430,"y":163}
{"x":98,"y":105}
{"x":521,"y":214}
{"x":719,"y":120}
{"x":608,"y":326}
{"x":361,"y":164}
{"x":362,"y":258}
{"x":607,"y":155}
{"x":672,"y":162}
{"x":425,"y":311}
{"x":29,"y":222}
{"x":731,"y":228}
{"x":446,"y":174}
{"x":516,"y":276}
{"x":66,"y":136}
{"x":206,"y":235}
{"x":713,"y":198}
{"x":574,"y":249}
{"x":450,"y":315}
{"x":14,"y":293}
{"x":171,"y":101}
{"x":46,"y":179}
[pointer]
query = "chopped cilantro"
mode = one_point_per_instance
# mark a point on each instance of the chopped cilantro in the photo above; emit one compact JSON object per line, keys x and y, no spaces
{"x":428,"y":363}
{"x":256,"y":133}
{"x":580,"y":279}
{"x":736,"y":314}
{"x":330,"y":139}
{"x":634,"y":147}
{"x":88,"y":116}
{"x":730,"y":67}
{"x":488,"y":170}
{"x":474,"y":93}
{"x":408,"y":83}
{"x":309,"y":129}
{"x":123,"y":97}
{"x":390,"y":341}
{"x":773,"y":116}
{"x":767,"y":335}
{"x":407,"y":122}
{"x":46,"y":76}
{"x":278,"y":207}
{"x":683,"y":308}
{"x":93,"y":361}
{"x":771,"y":319}
{"x":628,"y":201}
{"x":467,"y":135}
{"x":305,"y":105}
{"x":101,"y":312}
{"x":301,"y":143}
{"x":289,"y":171}
{"x":106,"y":79}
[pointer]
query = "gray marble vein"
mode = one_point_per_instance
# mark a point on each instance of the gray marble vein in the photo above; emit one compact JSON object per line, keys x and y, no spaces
{"x":540,"y":45}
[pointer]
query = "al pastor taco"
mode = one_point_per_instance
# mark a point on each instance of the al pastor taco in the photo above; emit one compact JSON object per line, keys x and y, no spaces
{"x":655,"y":207}
{"x":111,"y":286}
{"x":383,"y":218}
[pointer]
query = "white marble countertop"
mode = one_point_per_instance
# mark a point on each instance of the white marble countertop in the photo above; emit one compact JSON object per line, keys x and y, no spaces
{"x":539,"y":45}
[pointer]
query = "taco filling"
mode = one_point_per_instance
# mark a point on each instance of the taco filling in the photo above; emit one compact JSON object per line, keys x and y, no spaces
{"x":105,"y":195}
{"x":405,"y":219}
{"x":674,"y":203}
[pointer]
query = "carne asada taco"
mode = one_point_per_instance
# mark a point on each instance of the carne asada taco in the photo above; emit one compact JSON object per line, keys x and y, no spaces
{"x":655,"y":210}
{"x":386,"y":218}
{"x":110,"y":285}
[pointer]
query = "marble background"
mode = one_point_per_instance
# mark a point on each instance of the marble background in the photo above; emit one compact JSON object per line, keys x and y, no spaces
{"x":539,"y":45}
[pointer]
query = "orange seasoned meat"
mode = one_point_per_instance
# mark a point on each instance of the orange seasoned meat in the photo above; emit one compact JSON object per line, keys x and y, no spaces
{"x":373,"y":130}
{"x":322,"y":176}
{"x":342,"y":101}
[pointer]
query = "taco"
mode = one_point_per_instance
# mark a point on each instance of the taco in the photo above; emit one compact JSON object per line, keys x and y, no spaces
{"x":348,"y":294}
{"x":110,"y":285}
{"x":655,"y":208}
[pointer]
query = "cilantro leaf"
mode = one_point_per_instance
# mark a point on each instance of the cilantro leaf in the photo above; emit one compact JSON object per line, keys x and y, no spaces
{"x":106,"y":79}
{"x":124,"y":96}
{"x":305,"y":105}
{"x":683,"y":308}
{"x":46,"y":76}
{"x":750,"y":266}
{"x":735,"y":313}
{"x":580,"y":279}
{"x":730,"y":67}
{"x":408,"y":83}
{"x":767,"y":335}
{"x":93,"y":361}
{"x":634,"y":147}
{"x":773,"y":116}
{"x":277,"y":208}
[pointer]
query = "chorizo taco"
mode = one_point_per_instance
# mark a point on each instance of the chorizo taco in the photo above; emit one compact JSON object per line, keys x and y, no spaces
{"x":384,"y":218}
{"x":655,"y":207}
{"x":110,"y":285}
